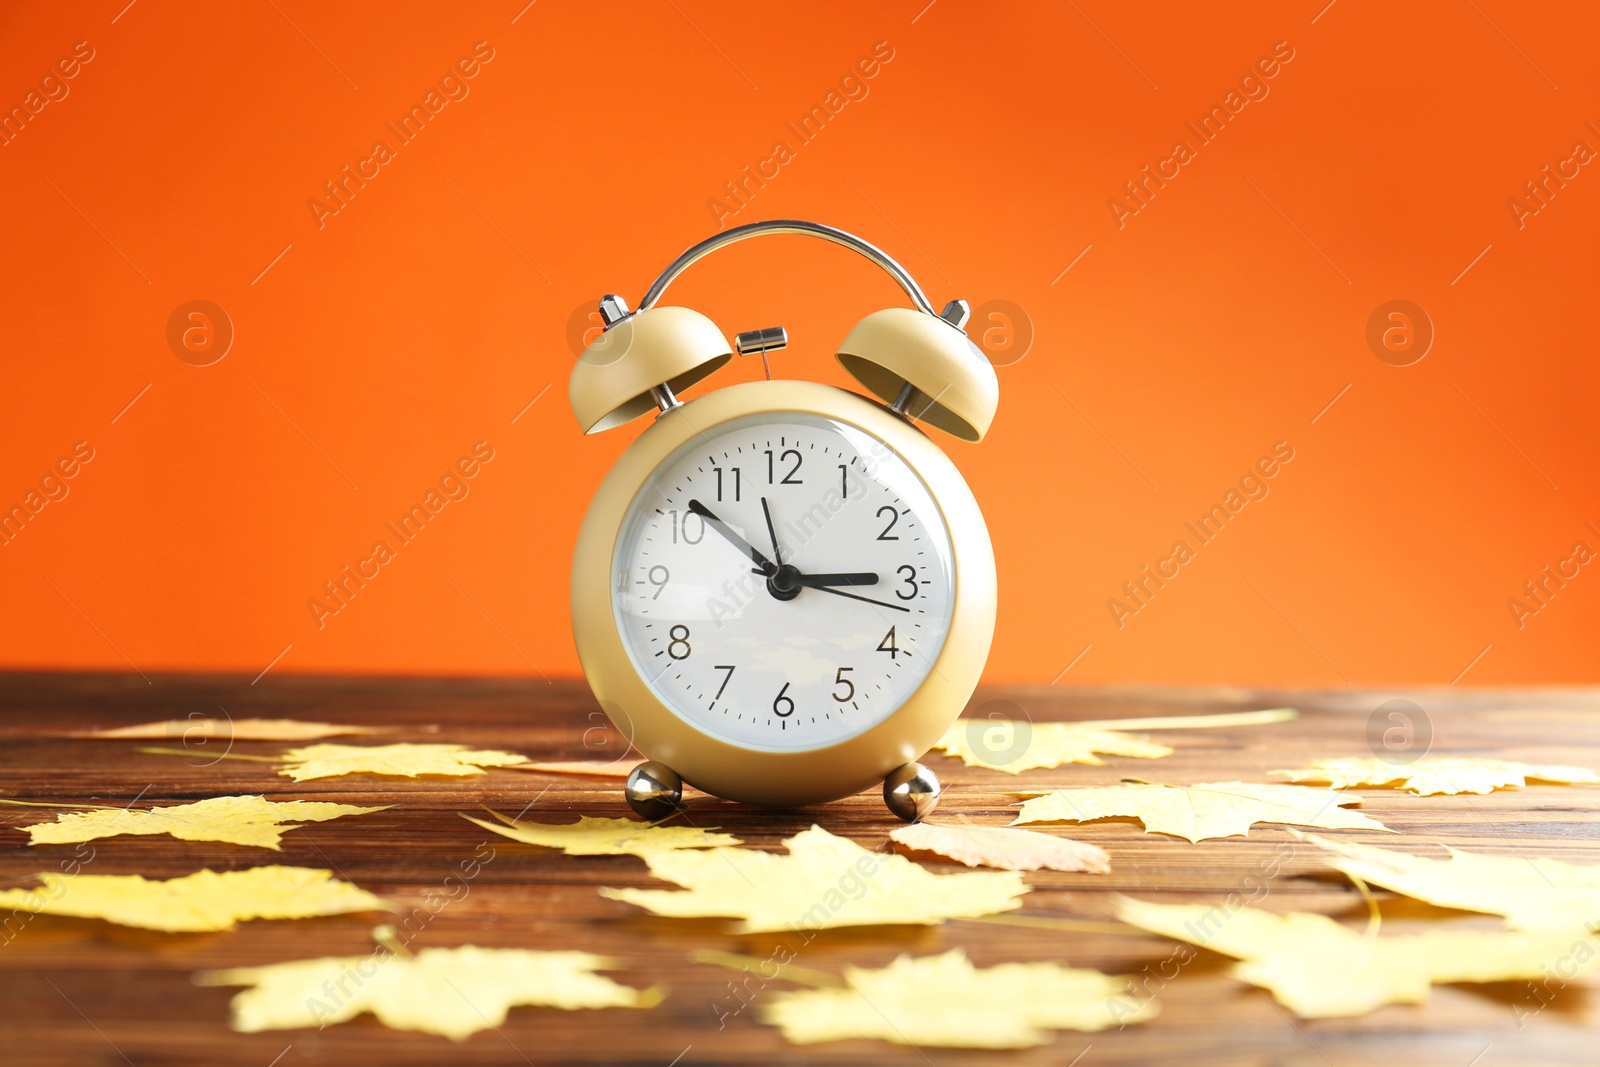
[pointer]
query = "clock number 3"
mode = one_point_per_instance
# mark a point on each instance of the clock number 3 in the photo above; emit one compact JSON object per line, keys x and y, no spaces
{"x":908,"y":575}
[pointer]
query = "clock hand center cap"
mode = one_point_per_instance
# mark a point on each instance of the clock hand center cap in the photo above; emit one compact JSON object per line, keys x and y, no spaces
{"x":783,"y":583}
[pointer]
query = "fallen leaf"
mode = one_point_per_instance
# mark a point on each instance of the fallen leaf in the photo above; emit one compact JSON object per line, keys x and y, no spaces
{"x":945,"y":1001}
{"x":202,"y":730}
{"x":1014,"y":746}
{"x":1437,"y":774}
{"x":605,"y":837}
{"x":1532,"y":893}
{"x":205,"y":900}
{"x":403,"y":760}
{"x":1199,"y":812}
{"x":1197,"y":722}
{"x":587,"y":768}
{"x":824,"y":881}
{"x":454,"y":992}
{"x":990,"y":743}
{"x":999,"y":846}
{"x":243,"y":820}
{"x":1319,"y":969}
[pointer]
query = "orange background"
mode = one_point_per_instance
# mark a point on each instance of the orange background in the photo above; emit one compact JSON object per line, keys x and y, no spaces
{"x":431,"y":309}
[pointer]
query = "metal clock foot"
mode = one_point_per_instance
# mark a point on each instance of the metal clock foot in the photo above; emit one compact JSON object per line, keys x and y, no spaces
{"x":654,"y":790}
{"x":911,"y":791}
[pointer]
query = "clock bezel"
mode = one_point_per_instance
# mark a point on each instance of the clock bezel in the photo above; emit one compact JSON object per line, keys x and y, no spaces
{"x":813,"y":775}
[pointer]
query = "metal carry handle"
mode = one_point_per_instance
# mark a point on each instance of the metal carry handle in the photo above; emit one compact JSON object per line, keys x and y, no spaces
{"x":812,"y":229}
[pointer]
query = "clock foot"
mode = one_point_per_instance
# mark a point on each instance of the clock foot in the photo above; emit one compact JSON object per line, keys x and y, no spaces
{"x":911,"y":791}
{"x":654,"y":790}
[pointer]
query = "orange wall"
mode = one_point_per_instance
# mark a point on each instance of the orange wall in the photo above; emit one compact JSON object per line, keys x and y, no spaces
{"x":375,"y":346}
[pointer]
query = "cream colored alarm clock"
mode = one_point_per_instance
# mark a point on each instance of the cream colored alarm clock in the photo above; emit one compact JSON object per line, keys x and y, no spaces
{"x":783,"y":592}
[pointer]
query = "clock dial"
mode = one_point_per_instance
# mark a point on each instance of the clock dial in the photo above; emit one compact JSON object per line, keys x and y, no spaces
{"x":784,"y":581}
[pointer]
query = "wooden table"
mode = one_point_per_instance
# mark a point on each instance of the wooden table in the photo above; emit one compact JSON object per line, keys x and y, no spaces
{"x":85,"y":992}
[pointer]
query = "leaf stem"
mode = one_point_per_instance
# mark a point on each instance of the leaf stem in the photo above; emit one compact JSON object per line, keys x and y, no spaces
{"x":738,"y":962}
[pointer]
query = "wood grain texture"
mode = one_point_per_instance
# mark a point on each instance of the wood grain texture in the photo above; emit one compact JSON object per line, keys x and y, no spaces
{"x":83,"y":992}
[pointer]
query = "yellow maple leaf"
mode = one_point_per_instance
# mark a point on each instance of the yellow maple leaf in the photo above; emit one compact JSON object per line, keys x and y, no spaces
{"x":1006,"y":745}
{"x":824,"y":881}
{"x":1003,"y":847}
{"x":1532,"y":893}
{"x":1199,"y":812}
{"x":199,"y":730}
{"x":1014,"y":746}
{"x":402,"y":760}
{"x":945,"y":1001}
{"x":243,"y":820}
{"x":1319,"y":969}
{"x":205,"y":900}
{"x":1437,"y":774}
{"x":605,"y":837}
{"x":453,"y":992}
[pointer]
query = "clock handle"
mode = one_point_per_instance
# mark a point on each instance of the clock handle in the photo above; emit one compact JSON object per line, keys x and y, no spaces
{"x":811,"y":229}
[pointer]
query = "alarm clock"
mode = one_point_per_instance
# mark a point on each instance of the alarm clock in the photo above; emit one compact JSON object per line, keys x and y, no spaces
{"x":783,"y":592}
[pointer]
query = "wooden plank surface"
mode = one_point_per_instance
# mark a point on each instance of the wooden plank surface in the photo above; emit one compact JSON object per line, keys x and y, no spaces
{"x":83,"y":992}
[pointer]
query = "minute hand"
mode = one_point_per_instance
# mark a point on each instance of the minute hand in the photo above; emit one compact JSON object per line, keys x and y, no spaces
{"x":766,"y":566}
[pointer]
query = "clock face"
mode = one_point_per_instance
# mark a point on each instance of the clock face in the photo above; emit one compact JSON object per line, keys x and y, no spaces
{"x":783,"y":581}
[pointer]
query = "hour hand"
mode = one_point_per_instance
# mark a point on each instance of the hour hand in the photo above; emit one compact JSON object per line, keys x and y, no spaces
{"x":821,"y":581}
{"x":765,"y":565}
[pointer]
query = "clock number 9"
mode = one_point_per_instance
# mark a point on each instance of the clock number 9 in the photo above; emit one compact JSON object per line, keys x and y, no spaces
{"x":678,"y":639}
{"x":849,"y":686}
{"x":909,"y":576}
{"x":661,"y":582}
{"x":783,"y":706}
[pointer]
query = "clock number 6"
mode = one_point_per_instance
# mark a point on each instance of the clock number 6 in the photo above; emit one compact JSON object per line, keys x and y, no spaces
{"x":781,"y":702}
{"x":849,"y":686}
{"x":678,"y":639}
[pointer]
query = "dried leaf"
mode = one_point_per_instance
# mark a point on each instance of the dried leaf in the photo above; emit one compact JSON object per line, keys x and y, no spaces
{"x":205,"y":900}
{"x":1437,"y":774}
{"x":403,"y":760}
{"x":243,"y":820}
{"x":1004,"y":745}
{"x":1532,"y":893}
{"x":945,"y":1001}
{"x":1319,"y":969}
{"x":194,"y":731}
{"x":587,"y":768}
{"x":605,"y":837}
{"x":1007,"y":849}
{"x":454,"y":992}
{"x":1197,"y":722}
{"x":1200,"y":812}
{"x":1015,"y":746}
{"x":824,"y":881}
